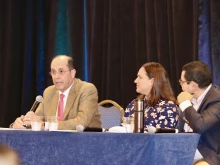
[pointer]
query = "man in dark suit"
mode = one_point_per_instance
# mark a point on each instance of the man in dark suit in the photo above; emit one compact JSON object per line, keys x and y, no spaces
{"x":79,"y":104}
{"x":200,"y":107}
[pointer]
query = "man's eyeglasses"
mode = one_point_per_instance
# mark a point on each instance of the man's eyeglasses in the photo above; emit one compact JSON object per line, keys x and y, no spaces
{"x":182,"y":81}
{"x":60,"y":72}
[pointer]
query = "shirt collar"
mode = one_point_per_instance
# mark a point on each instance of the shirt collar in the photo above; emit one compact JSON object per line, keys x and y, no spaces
{"x":66,"y":92}
{"x":201,"y":97}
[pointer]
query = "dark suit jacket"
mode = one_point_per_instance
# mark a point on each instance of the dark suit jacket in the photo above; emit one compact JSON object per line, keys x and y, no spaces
{"x":81,"y":106}
{"x":207,"y":123}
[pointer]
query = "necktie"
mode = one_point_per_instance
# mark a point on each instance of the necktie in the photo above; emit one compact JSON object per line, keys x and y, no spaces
{"x":61,"y":107}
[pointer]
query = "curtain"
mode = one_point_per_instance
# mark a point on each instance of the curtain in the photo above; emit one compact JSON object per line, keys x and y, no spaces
{"x":125,"y":34}
{"x":27,"y":32}
{"x":209,"y":36}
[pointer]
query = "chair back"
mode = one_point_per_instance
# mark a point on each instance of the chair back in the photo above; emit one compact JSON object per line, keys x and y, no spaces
{"x":110,"y":116}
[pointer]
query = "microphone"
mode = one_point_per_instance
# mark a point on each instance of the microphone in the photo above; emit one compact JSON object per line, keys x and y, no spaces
{"x":38,"y":100}
{"x":152,"y":129}
{"x":81,"y":128}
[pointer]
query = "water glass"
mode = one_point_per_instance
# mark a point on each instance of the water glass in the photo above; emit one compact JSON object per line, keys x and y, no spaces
{"x":128,"y":123}
{"x":36,"y":123}
{"x":51,"y":123}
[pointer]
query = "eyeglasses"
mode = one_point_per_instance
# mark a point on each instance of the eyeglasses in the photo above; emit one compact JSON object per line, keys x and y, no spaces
{"x":181,"y":81}
{"x":60,"y":72}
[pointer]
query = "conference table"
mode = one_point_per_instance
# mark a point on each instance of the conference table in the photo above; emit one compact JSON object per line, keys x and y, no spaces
{"x":101,"y":148}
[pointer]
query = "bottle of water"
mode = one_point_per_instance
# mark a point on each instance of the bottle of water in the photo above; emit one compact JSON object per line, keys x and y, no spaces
{"x":139,"y":116}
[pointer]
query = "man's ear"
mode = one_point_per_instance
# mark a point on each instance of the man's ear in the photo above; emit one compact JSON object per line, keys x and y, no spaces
{"x":193,"y":83}
{"x":73,"y":73}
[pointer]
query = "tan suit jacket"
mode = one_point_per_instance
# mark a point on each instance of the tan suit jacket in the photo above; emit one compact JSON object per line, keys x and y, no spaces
{"x":81,"y":106}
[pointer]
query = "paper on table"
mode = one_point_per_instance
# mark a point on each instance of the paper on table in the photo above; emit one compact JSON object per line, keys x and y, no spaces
{"x":64,"y":131}
{"x":117,"y":129}
{"x":9,"y":129}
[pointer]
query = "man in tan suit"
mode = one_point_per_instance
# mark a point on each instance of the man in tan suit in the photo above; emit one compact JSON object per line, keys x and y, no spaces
{"x":80,"y":102}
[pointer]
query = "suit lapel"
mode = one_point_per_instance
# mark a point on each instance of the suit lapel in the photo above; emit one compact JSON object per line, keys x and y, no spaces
{"x":200,"y":109}
{"x":71,"y":97}
{"x":203,"y":104}
{"x":53,"y":107}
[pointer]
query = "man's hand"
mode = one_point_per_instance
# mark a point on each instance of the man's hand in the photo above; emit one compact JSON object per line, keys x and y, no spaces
{"x":19,"y":123}
{"x":23,"y":121}
{"x":28,"y":117}
{"x":184,"y":96}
